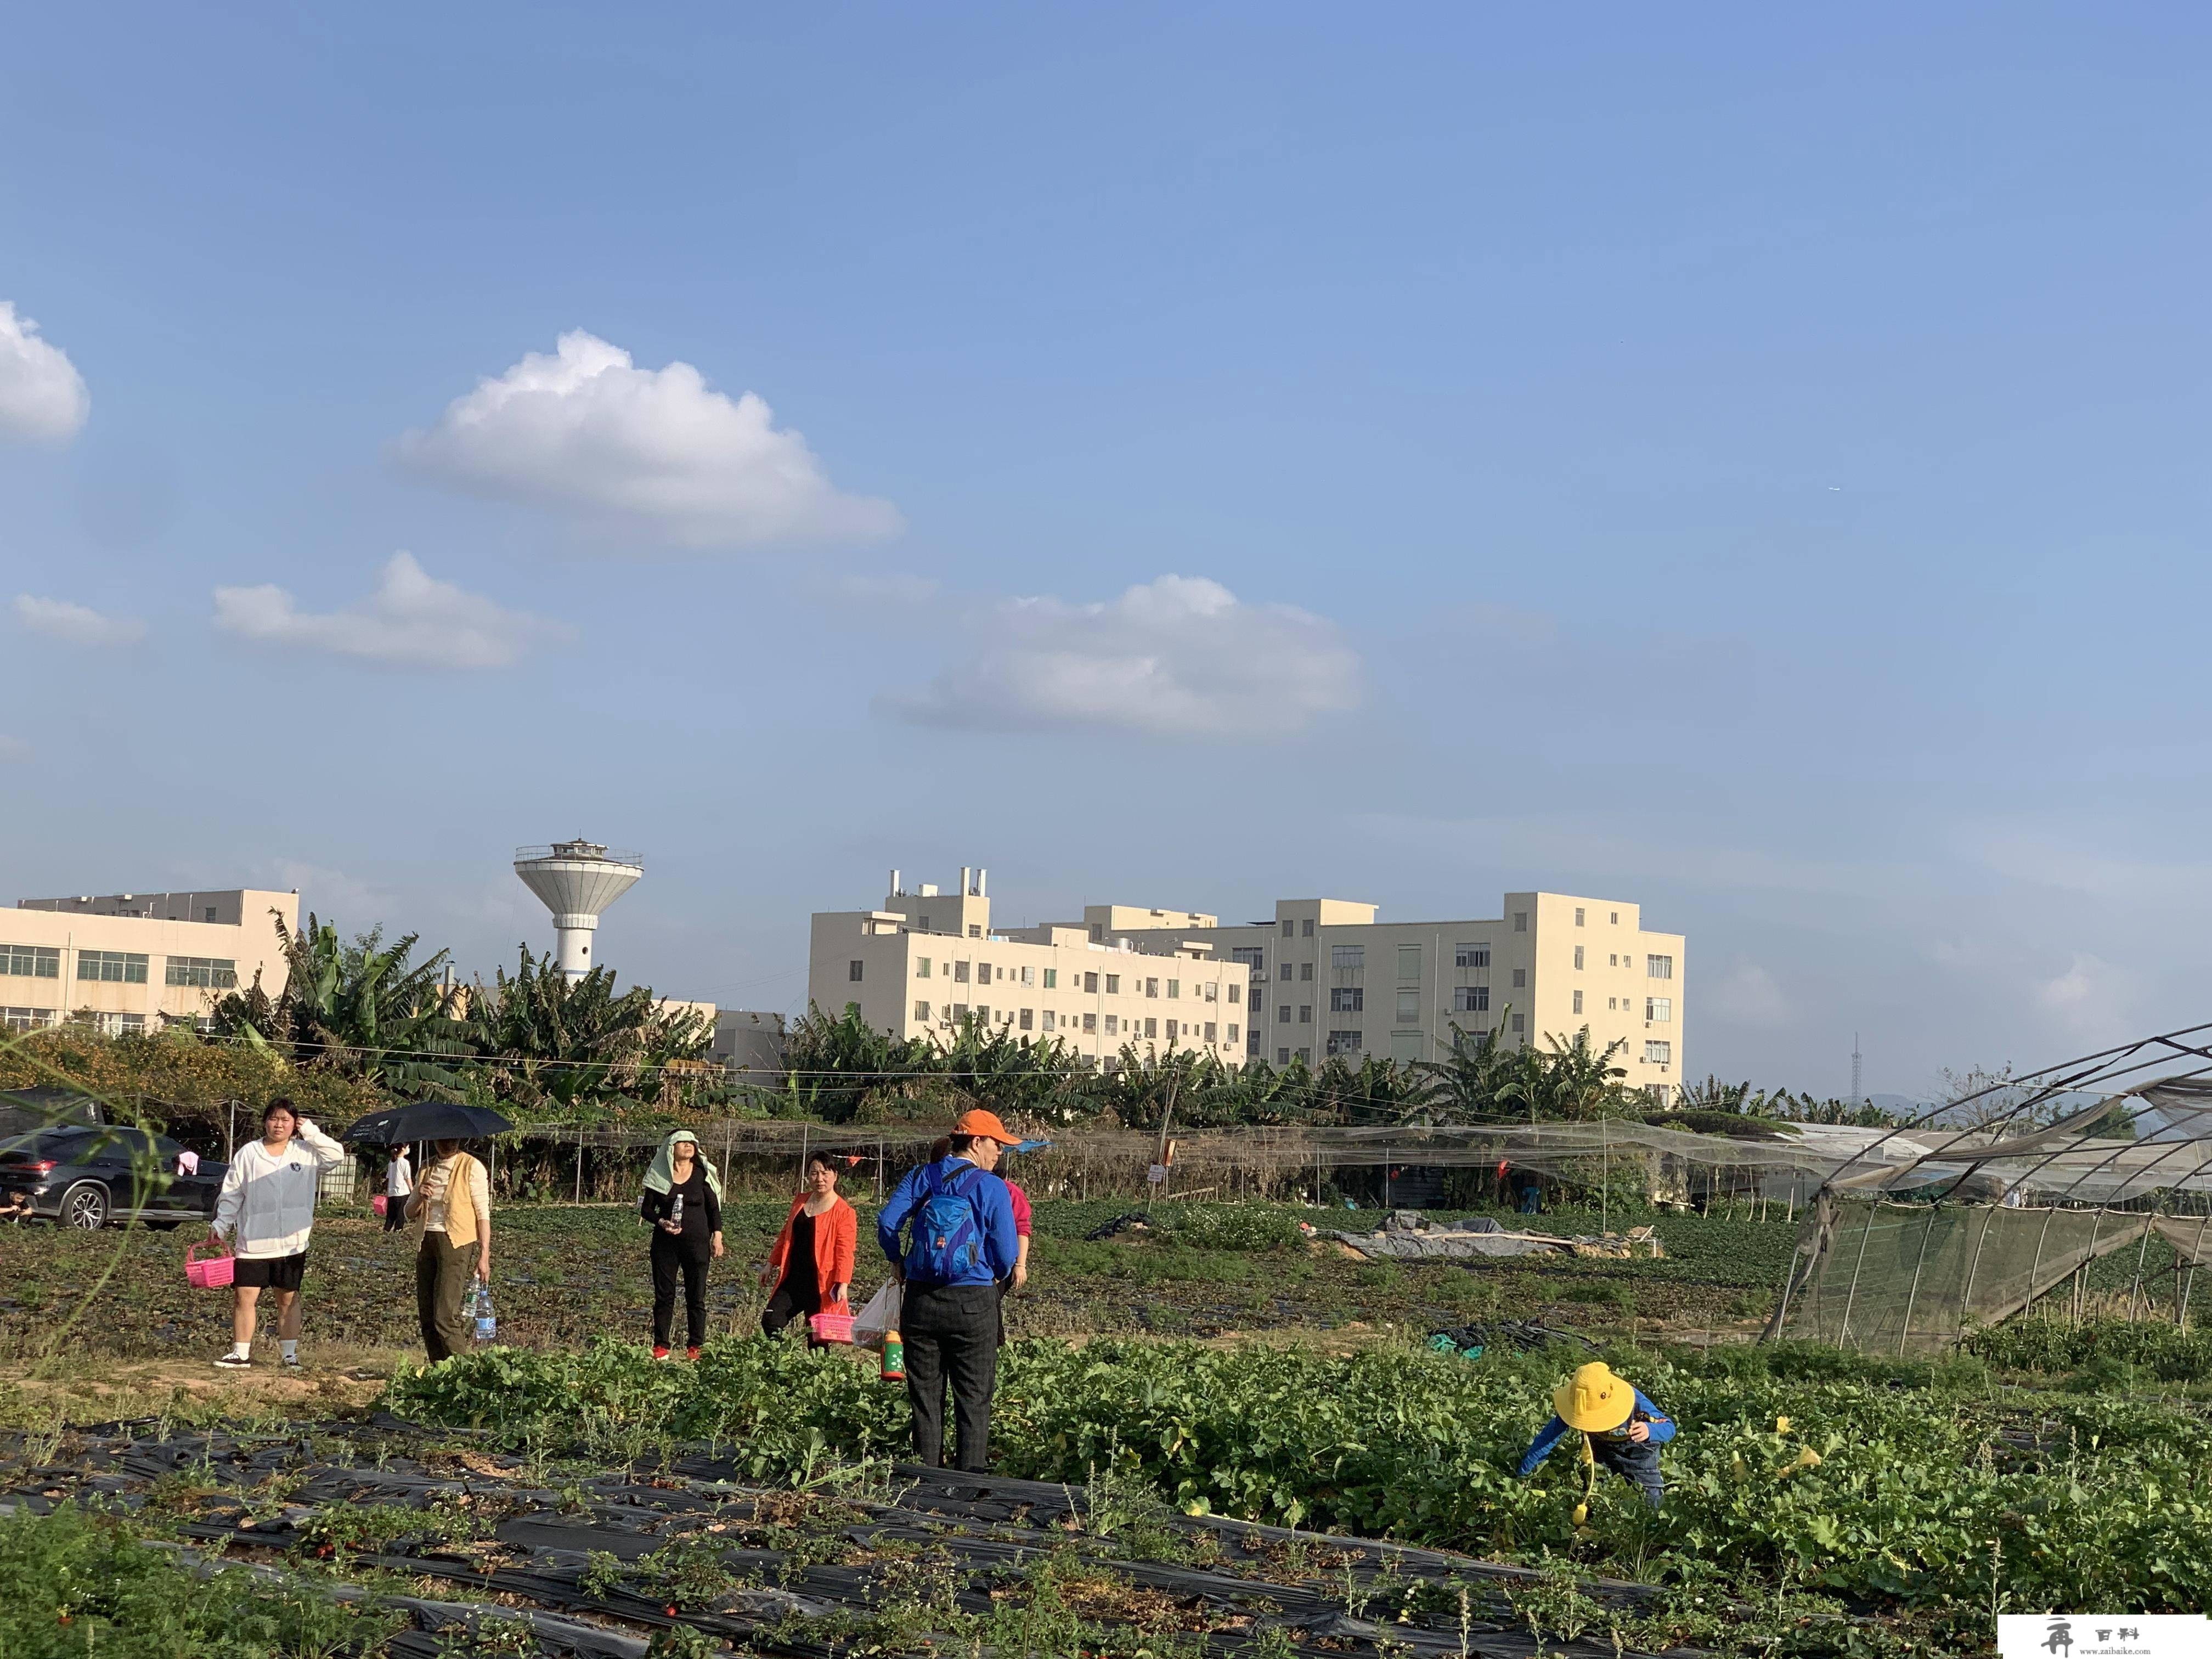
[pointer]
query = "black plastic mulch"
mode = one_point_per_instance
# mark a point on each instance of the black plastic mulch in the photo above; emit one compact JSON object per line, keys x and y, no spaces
{"x":602,"y":1558}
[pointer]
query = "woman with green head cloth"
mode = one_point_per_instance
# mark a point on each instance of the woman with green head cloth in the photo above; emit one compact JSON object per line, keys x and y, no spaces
{"x":682,"y":1204}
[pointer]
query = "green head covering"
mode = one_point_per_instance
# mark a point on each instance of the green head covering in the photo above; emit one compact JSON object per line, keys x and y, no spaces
{"x":662,"y":1175}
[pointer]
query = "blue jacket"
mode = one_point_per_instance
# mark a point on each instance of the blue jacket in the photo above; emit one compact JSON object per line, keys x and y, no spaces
{"x":994,"y":1216}
{"x":1660,"y":1424}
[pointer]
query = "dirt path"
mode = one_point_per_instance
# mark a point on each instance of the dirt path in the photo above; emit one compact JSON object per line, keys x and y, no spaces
{"x":333,"y":1376}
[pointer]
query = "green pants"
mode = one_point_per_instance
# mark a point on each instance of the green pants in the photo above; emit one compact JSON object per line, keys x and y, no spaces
{"x":442,"y":1272}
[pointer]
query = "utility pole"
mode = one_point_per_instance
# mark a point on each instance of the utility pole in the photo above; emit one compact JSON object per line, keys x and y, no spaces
{"x":1857,"y":1097}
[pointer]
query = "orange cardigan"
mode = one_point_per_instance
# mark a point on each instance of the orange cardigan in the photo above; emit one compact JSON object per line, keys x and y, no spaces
{"x":834,"y":1232}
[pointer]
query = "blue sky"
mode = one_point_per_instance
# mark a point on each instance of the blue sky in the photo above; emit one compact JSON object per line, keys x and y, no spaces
{"x":1737,"y":460}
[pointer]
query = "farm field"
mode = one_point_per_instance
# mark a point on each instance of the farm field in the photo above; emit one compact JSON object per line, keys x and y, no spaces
{"x":1168,"y":1392}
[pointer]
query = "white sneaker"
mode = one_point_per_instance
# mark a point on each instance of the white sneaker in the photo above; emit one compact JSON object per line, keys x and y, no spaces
{"x":231,"y":1362}
{"x":293,"y":1360}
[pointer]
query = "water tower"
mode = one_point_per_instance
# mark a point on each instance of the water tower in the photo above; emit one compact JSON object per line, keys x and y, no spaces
{"x":576,"y":880}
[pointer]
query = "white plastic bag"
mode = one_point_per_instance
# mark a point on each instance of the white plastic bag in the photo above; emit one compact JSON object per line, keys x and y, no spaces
{"x":881,"y":1314}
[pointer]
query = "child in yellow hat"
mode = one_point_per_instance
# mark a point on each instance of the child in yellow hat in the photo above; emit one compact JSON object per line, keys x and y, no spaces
{"x":1620,"y":1428}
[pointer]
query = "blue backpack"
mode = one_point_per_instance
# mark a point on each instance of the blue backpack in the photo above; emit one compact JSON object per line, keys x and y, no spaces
{"x":948,"y":1234}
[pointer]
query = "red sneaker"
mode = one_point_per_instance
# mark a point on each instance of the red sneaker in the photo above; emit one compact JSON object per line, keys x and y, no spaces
{"x":690,"y":1353}
{"x":659,"y":1352}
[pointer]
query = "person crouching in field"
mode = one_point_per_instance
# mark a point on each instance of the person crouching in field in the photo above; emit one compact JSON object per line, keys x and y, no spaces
{"x":1620,"y":1430}
{"x":811,"y":1265}
{"x":268,"y":1206}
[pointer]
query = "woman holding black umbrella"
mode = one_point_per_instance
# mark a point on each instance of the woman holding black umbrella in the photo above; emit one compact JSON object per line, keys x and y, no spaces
{"x":451,"y":1205}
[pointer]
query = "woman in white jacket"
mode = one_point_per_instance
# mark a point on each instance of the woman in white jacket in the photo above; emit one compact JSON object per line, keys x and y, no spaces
{"x":268,"y":1205}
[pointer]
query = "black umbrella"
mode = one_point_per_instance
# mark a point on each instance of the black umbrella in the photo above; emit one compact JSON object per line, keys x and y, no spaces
{"x":425,"y":1120}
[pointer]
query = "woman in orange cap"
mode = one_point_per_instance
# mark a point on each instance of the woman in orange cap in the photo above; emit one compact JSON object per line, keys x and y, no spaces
{"x":962,"y":1244}
{"x":1620,"y":1428}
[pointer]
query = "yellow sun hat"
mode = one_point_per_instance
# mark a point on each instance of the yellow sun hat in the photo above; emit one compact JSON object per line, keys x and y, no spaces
{"x":1594,"y":1399}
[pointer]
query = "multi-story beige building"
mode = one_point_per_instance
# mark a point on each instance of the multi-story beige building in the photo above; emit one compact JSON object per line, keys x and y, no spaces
{"x":926,"y":960}
{"x":126,"y":959}
{"x":1328,"y":979}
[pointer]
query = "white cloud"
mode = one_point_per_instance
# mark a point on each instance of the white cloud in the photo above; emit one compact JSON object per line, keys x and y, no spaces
{"x":1747,"y":996}
{"x":2091,"y":999}
{"x":42,"y":397}
{"x":78,"y":624}
{"x":1178,"y":657}
{"x":587,"y":428}
{"x":13,"y":749}
{"x":412,"y":618}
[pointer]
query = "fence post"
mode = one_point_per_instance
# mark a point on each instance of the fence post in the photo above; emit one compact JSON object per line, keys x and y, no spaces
{"x":729,"y":1133}
{"x":1905,"y":1331}
{"x":1844,"y":1331}
{"x":580,"y":1160}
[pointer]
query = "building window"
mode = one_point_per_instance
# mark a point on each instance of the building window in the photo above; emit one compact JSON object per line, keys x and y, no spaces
{"x":1286,"y":929}
{"x":1471,"y":956}
{"x":1090,"y":1023}
{"x":1344,"y":1042}
{"x":1616,"y":917}
{"x":1608,"y":1002}
{"x":1151,"y":987}
{"x":123,"y":967}
{"x":120,"y":1025}
{"x":1306,"y":927}
{"x":1236,"y":991}
{"x":1659,"y":967}
{"x":1113,"y":1025}
{"x":1113,"y":985}
{"x":982,"y":1013}
{"x":1153,"y":1029}
{"x":1347,"y":956}
{"x":1661,"y":1009}
{"x":1305,"y":1055}
{"x":1283,"y":1014}
{"x":1175,"y":988}
{"x":1305,"y":1014}
{"x":31,"y":961}
{"x":1090,"y":983}
{"x":958,"y":1011}
{"x":1052,"y":979}
{"x":1305,"y":970}
{"x":1578,"y":1002}
{"x":1409,"y":962}
{"x":1578,"y":919}
{"x":1409,"y":1007}
{"x":1471,"y":998}
{"x":1658,"y":1053}
{"x":921,"y":1012}
{"x":1098,"y":932}
{"x":215,"y":973}
{"x":1209,"y":1031}
{"x":925,"y":923}
{"x":1251,"y":957}
{"x":1520,"y":922}
{"x":1520,"y":1025}
{"x":1348,"y":999}
{"x":1578,"y":956}
{"x":960,"y":973}
{"x":1213,"y":990}
{"x":1520,"y":979}
{"x":1232,"y":1034}
{"x":1611,"y":960}
{"x":1049,"y":1020}
{"x":27,"y":1019}
{"x":976,"y":930}
{"x":921,"y":967}
{"x":1028,"y":1017}
{"x":1028,"y":975}
{"x":1282,"y":1055}
{"x":1656,"y":1093}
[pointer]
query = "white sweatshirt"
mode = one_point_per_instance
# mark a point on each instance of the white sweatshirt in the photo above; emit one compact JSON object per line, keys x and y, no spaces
{"x":269,"y":1201}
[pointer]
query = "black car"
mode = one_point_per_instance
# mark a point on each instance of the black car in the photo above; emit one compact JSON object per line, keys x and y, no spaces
{"x":90,"y":1176}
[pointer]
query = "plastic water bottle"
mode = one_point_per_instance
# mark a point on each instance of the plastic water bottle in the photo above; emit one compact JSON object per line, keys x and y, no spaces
{"x":675,"y":1213}
{"x":486,"y":1322}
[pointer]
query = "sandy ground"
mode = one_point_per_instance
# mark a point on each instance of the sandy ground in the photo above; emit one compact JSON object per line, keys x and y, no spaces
{"x":332,"y":1378}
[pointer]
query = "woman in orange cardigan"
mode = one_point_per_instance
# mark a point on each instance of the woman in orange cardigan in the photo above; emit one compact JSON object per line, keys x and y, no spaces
{"x":811,"y":1265}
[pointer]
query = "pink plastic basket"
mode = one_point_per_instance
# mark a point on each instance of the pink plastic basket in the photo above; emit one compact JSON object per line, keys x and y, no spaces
{"x":831,"y":1327}
{"x":213,"y":1272}
{"x":380,"y":1204}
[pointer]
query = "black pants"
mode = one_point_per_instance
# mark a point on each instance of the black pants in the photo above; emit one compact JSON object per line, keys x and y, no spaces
{"x":395,"y":1213}
{"x":670,"y":1257}
{"x":794,"y":1298}
{"x":951,"y":1336}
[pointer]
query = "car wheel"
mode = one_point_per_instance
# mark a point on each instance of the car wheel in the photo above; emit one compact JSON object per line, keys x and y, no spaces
{"x":85,"y":1205}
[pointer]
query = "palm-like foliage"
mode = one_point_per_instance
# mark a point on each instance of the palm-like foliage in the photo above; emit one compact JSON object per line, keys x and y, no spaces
{"x":1480,"y":1080}
{"x":361,"y":1007}
{"x":547,"y":1042}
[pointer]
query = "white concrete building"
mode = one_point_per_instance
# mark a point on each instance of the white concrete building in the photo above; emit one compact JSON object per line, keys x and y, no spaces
{"x":126,"y":959}
{"x":1328,"y":978}
{"x":927,"y":959}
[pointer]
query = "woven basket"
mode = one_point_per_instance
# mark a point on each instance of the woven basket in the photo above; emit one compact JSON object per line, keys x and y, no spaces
{"x":213,"y":1272}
